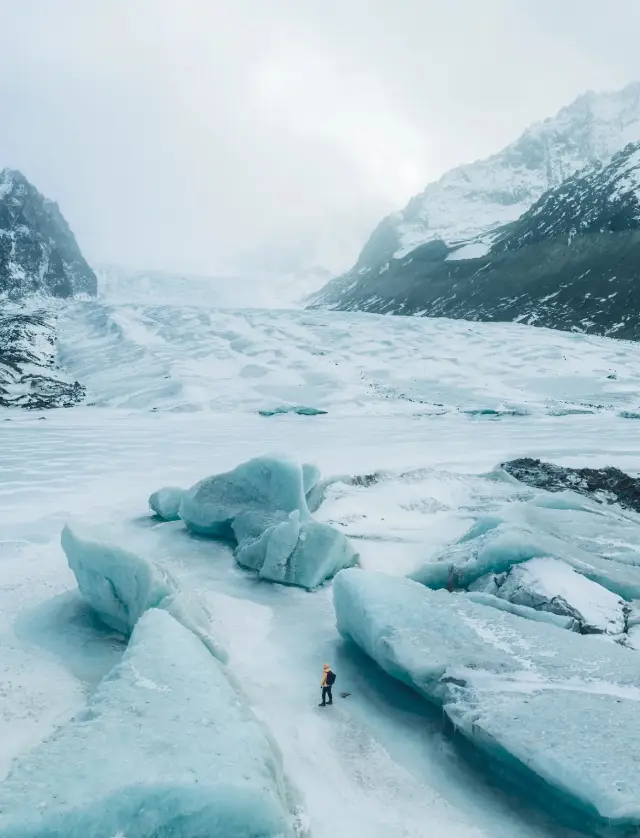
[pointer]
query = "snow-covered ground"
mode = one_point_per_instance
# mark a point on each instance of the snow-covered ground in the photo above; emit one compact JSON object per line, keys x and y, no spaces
{"x":428,"y":406}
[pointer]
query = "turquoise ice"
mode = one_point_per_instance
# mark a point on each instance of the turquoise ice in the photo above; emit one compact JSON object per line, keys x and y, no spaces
{"x":165,"y":747}
{"x":549,"y":701}
{"x":166,"y":502}
{"x":263,"y":506}
{"x":121,"y":586}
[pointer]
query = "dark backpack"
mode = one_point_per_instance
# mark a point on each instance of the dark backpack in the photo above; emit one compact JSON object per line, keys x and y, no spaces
{"x":331,"y":678}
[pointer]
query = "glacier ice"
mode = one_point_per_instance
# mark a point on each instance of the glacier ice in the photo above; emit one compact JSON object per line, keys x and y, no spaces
{"x":552,"y":585}
{"x":166,"y":746}
{"x":529,"y":613}
{"x":244,"y":502}
{"x":557,"y":703}
{"x":166,"y":502}
{"x":263,"y":506}
{"x":121,"y":586}
{"x":296,"y":552}
{"x":300,"y":410}
{"x":534,"y":553}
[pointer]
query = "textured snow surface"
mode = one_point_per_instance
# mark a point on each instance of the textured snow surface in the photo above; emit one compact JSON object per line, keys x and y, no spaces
{"x":403,"y":479}
{"x":559,"y":704}
{"x":166,"y":746}
{"x":184,"y":359}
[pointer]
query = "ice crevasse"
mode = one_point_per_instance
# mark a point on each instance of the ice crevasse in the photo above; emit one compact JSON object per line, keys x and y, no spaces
{"x":559,"y":704}
{"x":166,"y":746}
{"x":265,"y":507}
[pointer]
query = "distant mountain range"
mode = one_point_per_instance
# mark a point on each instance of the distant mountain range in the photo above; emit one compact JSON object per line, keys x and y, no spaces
{"x":546,"y":232}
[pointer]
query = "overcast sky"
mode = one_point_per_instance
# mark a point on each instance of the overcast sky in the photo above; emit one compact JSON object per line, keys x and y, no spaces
{"x":204,"y":135}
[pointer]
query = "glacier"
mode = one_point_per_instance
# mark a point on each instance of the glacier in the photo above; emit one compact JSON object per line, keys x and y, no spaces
{"x":121,"y":586}
{"x":165,"y":747}
{"x":262,"y":506}
{"x":552,"y":702}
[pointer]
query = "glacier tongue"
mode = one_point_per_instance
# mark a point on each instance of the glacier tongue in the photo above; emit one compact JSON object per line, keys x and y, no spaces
{"x":555,"y":703}
{"x":166,"y":747}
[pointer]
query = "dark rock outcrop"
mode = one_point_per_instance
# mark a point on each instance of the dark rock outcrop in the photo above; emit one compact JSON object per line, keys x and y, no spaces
{"x":604,"y":485}
{"x":38,"y":251}
{"x":29,"y":376}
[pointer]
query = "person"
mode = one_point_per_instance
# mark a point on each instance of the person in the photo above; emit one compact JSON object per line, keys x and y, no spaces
{"x":328,"y":680}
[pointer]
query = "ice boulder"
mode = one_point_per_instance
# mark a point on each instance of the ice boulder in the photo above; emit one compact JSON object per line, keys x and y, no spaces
{"x":166,"y":746}
{"x":263,"y":506}
{"x":243,"y":503}
{"x":298,"y":552}
{"x":121,"y":586}
{"x":552,"y":702}
{"x":166,"y":503}
{"x":531,"y":531}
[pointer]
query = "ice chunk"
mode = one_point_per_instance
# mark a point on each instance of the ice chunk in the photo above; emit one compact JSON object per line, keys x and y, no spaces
{"x":166,"y":502}
{"x":262,"y":505}
{"x":301,"y":410}
{"x":166,"y":746}
{"x":495,"y":545}
{"x":557,"y":703}
{"x":243,"y":503}
{"x":552,"y":585}
{"x":296,"y":552}
{"x":120,"y":586}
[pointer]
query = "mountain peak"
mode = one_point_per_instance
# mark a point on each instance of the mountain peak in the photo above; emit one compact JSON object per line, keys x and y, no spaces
{"x":38,"y":251}
{"x":470,"y":201}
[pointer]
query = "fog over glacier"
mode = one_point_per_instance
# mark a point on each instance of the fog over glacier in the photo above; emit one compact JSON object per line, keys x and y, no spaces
{"x":215,"y":137}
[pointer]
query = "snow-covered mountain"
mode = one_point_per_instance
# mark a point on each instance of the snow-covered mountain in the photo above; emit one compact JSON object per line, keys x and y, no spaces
{"x":472,"y":200}
{"x":39,"y":259}
{"x":601,"y":198}
{"x":461,"y":216}
{"x":572,"y":261}
{"x":38,"y":251}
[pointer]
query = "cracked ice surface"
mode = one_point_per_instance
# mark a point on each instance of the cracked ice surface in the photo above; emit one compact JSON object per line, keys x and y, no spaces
{"x":554,"y":702}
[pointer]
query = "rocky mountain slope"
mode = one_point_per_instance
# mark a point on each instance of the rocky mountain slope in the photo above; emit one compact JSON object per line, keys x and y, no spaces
{"x":39,"y":259}
{"x":38,"y":251}
{"x":571,"y":262}
{"x":29,"y":375}
{"x":548,"y":223}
